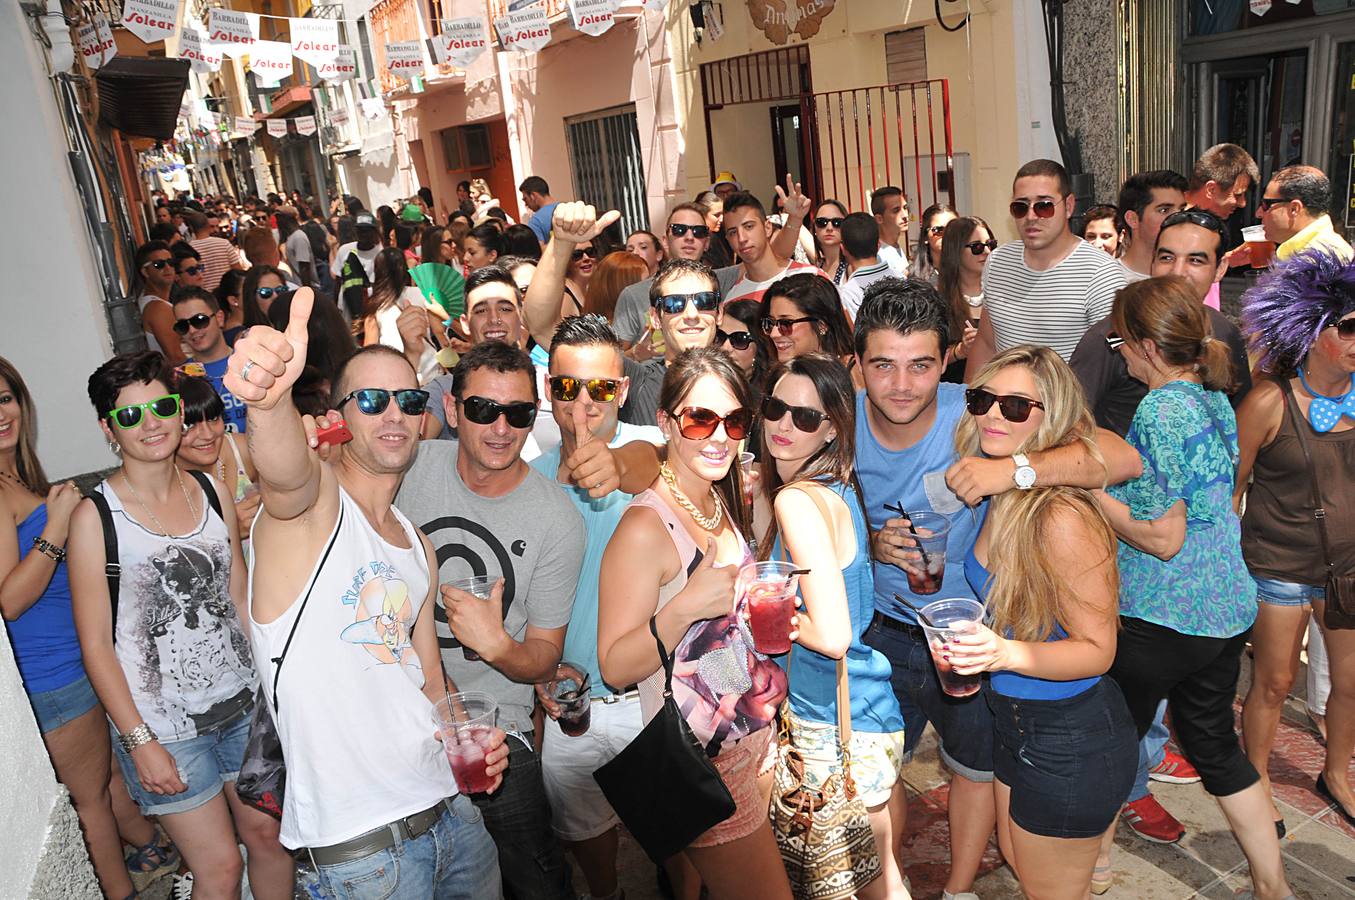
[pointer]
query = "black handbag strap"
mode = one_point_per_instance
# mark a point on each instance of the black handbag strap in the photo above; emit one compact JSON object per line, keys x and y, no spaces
{"x":277,"y":660}
{"x":112,"y":568}
{"x":1319,"y":512}
{"x":664,"y":657}
{"x":206,"y":484}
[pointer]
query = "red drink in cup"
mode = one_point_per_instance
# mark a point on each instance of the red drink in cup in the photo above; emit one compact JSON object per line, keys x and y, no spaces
{"x":465,"y":722}
{"x":949,"y":618}
{"x":767,"y":590}
{"x":927,"y":568}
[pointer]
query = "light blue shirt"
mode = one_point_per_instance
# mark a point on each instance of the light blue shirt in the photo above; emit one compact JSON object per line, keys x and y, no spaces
{"x":600,"y":518}
{"x":540,"y":221}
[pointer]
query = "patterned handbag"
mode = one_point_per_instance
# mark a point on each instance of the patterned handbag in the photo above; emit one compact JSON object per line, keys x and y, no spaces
{"x":824,"y":833}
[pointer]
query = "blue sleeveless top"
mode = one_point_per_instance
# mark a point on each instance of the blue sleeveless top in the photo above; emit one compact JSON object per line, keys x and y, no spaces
{"x":1010,"y":684}
{"x":45,"y":646}
{"x":813,"y":676}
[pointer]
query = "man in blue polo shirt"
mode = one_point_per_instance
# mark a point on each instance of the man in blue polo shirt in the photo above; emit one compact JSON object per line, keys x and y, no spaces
{"x":536,"y":197}
{"x":905,"y":457}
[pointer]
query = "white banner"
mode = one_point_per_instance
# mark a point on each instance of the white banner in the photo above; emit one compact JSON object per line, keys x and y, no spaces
{"x":528,"y":29}
{"x":315,"y":41}
{"x":245,"y":125}
{"x":372,"y":107}
{"x":338,"y":116}
{"x":207,"y":119}
{"x":95,"y":40}
{"x":341,"y":68}
{"x":150,"y":20}
{"x":593,"y":16}
{"x":271,"y":61}
{"x":201,"y":53}
{"x":305,"y":125}
{"x":404,"y":59}
{"x":464,"y":39}
{"x":234,"y":32}
{"x":1260,"y":7}
{"x":277,"y":127}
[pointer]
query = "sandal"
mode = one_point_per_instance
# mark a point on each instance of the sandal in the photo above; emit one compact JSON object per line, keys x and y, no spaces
{"x":153,"y":856}
{"x":1103,"y":877}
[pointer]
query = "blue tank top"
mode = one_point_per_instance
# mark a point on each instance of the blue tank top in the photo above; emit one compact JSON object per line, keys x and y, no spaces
{"x":1010,"y":684}
{"x":45,"y":646}
{"x":813,"y":676}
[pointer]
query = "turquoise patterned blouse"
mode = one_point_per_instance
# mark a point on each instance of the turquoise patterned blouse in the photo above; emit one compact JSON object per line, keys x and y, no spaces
{"x":1187,"y":437}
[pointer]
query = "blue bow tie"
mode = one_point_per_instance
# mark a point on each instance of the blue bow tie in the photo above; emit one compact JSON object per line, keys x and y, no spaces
{"x":1323,"y":414}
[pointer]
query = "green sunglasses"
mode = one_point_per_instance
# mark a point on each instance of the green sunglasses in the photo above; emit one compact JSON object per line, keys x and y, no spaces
{"x":129,"y":416}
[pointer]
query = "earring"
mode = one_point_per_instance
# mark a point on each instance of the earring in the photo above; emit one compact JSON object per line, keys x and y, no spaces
{"x":115,"y":447}
{"x":183,"y":428}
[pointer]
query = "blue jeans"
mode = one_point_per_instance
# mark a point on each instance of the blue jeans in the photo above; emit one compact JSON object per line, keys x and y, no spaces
{"x":453,"y":860}
{"x":518,"y":818}
{"x":1151,"y":751}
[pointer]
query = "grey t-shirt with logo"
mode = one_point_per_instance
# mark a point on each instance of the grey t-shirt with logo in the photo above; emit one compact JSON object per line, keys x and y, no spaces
{"x":532,"y":537}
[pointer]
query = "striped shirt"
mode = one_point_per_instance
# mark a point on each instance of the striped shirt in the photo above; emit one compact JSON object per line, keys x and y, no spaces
{"x":218,"y":255}
{"x":1053,"y":307}
{"x":744,"y":289}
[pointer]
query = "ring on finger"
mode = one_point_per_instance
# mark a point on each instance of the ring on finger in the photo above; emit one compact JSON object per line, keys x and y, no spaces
{"x":244,"y":372}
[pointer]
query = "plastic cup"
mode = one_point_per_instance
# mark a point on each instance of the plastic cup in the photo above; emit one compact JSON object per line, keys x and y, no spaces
{"x":465,"y":721}
{"x":575,"y":700}
{"x":928,"y":558}
{"x":950,"y":618}
{"x":768,"y":591}
{"x":1261,"y":250}
{"x":479,"y":586}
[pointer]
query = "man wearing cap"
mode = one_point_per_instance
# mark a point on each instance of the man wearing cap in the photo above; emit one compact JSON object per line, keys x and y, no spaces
{"x":725,"y":184}
{"x":536,"y":197}
{"x":355,"y":263}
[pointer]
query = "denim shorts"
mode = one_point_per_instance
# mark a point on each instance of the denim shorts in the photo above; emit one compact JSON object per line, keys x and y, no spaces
{"x":206,"y":763}
{"x":63,"y":705}
{"x":1070,"y":763}
{"x":877,"y":757}
{"x":1286,"y":593}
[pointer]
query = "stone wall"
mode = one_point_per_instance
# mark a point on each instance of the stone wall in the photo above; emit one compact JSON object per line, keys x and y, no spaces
{"x":1091,"y":91}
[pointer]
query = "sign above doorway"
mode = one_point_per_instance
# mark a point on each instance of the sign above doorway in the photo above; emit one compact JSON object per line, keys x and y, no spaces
{"x":779,"y":19}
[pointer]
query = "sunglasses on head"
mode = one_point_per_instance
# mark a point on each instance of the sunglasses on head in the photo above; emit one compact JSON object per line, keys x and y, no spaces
{"x":580,"y":252}
{"x":129,"y":416}
{"x":783,"y":326}
{"x":1345,"y":329}
{"x":158,"y":264}
{"x":373,"y":401}
{"x":1114,"y":342}
{"x":1014,"y":409}
{"x":483,"y":411}
{"x":804,"y":418}
{"x":1044,"y":209}
{"x":196,"y":322}
{"x":739,"y":340}
{"x":270,"y":293}
{"x":672,"y":304}
{"x":192,"y":270}
{"x":677,"y":229}
{"x":1267,"y":202}
{"x":697,"y":423}
{"x":978,"y":247}
{"x":566,"y":387}
{"x":825,"y":221}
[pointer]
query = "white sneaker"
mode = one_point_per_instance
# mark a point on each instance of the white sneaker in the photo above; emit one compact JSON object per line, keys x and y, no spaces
{"x":183,"y":887}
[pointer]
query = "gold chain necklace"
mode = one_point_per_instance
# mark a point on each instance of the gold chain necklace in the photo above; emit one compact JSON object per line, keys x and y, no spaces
{"x":709,"y":523}
{"x":163,"y":532}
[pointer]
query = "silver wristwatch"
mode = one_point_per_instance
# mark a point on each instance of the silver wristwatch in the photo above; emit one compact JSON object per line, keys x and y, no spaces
{"x":139,"y":735}
{"x":1024,"y":476}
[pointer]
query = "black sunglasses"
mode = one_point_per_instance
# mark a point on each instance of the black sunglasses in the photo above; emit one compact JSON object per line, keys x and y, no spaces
{"x":783,"y":325}
{"x":158,"y":264}
{"x":1014,"y":409}
{"x":270,"y":293}
{"x":825,"y":221}
{"x":1044,"y":209}
{"x":373,"y":401}
{"x":196,"y":322}
{"x":677,"y":229}
{"x":936,"y":230}
{"x":1345,"y":329}
{"x":1114,"y":342}
{"x":566,"y":387}
{"x":805,"y":418}
{"x":977,"y":247}
{"x":483,"y":411}
{"x":191,"y":270}
{"x":580,"y":252}
{"x":697,"y":423}
{"x":672,"y":304}
{"x":1200,"y":217}
{"x":739,"y":340}
{"x":1267,"y":202}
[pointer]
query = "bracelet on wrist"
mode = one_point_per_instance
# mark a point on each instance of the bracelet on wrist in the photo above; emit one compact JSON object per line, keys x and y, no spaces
{"x":48,"y":549}
{"x":139,"y":735}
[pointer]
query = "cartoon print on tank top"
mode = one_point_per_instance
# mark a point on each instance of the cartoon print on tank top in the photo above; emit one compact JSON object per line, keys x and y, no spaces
{"x":383,"y":617}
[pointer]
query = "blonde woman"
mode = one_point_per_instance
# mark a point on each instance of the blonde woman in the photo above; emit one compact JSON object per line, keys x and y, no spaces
{"x":1065,"y":751}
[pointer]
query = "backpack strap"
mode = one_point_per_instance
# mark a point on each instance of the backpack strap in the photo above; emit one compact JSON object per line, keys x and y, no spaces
{"x":205,"y":483}
{"x":112,"y":568}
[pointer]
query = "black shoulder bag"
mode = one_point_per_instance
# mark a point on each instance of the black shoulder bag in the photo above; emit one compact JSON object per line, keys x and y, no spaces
{"x":663,"y":787}
{"x":1340,"y":603}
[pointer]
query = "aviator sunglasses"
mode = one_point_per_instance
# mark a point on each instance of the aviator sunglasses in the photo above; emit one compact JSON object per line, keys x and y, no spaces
{"x":739,"y":340}
{"x":566,"y":387}
{"x":1014,"y":409}
{"x":696,"y":423}
{"x":1019,"y":209}
{"x":129,"y":416}
{"x":373,"y":401}
{"x":483,"y":411}
{"x":196,"y":322}
{"x":804,"y":418}
{"x":672,"y":304}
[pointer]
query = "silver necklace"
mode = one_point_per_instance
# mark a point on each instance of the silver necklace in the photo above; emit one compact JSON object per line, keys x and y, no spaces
{"x":163,"y":532}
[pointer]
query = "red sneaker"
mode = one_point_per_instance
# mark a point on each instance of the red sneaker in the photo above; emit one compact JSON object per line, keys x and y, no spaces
{"x":1174,"y":769}
{"x":1151,"y":822}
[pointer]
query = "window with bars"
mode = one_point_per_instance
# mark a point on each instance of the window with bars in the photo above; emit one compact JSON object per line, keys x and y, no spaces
{"x":605,"y":159}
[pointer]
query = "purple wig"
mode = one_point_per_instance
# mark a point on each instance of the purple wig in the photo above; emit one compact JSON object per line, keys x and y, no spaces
{"x":1289,"y":307}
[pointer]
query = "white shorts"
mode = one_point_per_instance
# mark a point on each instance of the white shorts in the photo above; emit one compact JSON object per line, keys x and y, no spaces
{"x":579,"y":811}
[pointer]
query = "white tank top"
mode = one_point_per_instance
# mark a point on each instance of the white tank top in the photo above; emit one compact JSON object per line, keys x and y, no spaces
{"x":355,"y":726}
{"x":177,"y":636}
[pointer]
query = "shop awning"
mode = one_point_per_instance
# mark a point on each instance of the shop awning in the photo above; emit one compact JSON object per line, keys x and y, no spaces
{"x":141,"y":95}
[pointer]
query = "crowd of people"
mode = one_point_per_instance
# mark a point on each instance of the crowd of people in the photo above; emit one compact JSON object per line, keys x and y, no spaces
{"x":339,"y":420}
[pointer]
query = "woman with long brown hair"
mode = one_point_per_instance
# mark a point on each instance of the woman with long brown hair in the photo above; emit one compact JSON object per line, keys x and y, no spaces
{"x":1064,"y":750}
{"x":617,"y":271}
{"x":965,"y":246}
